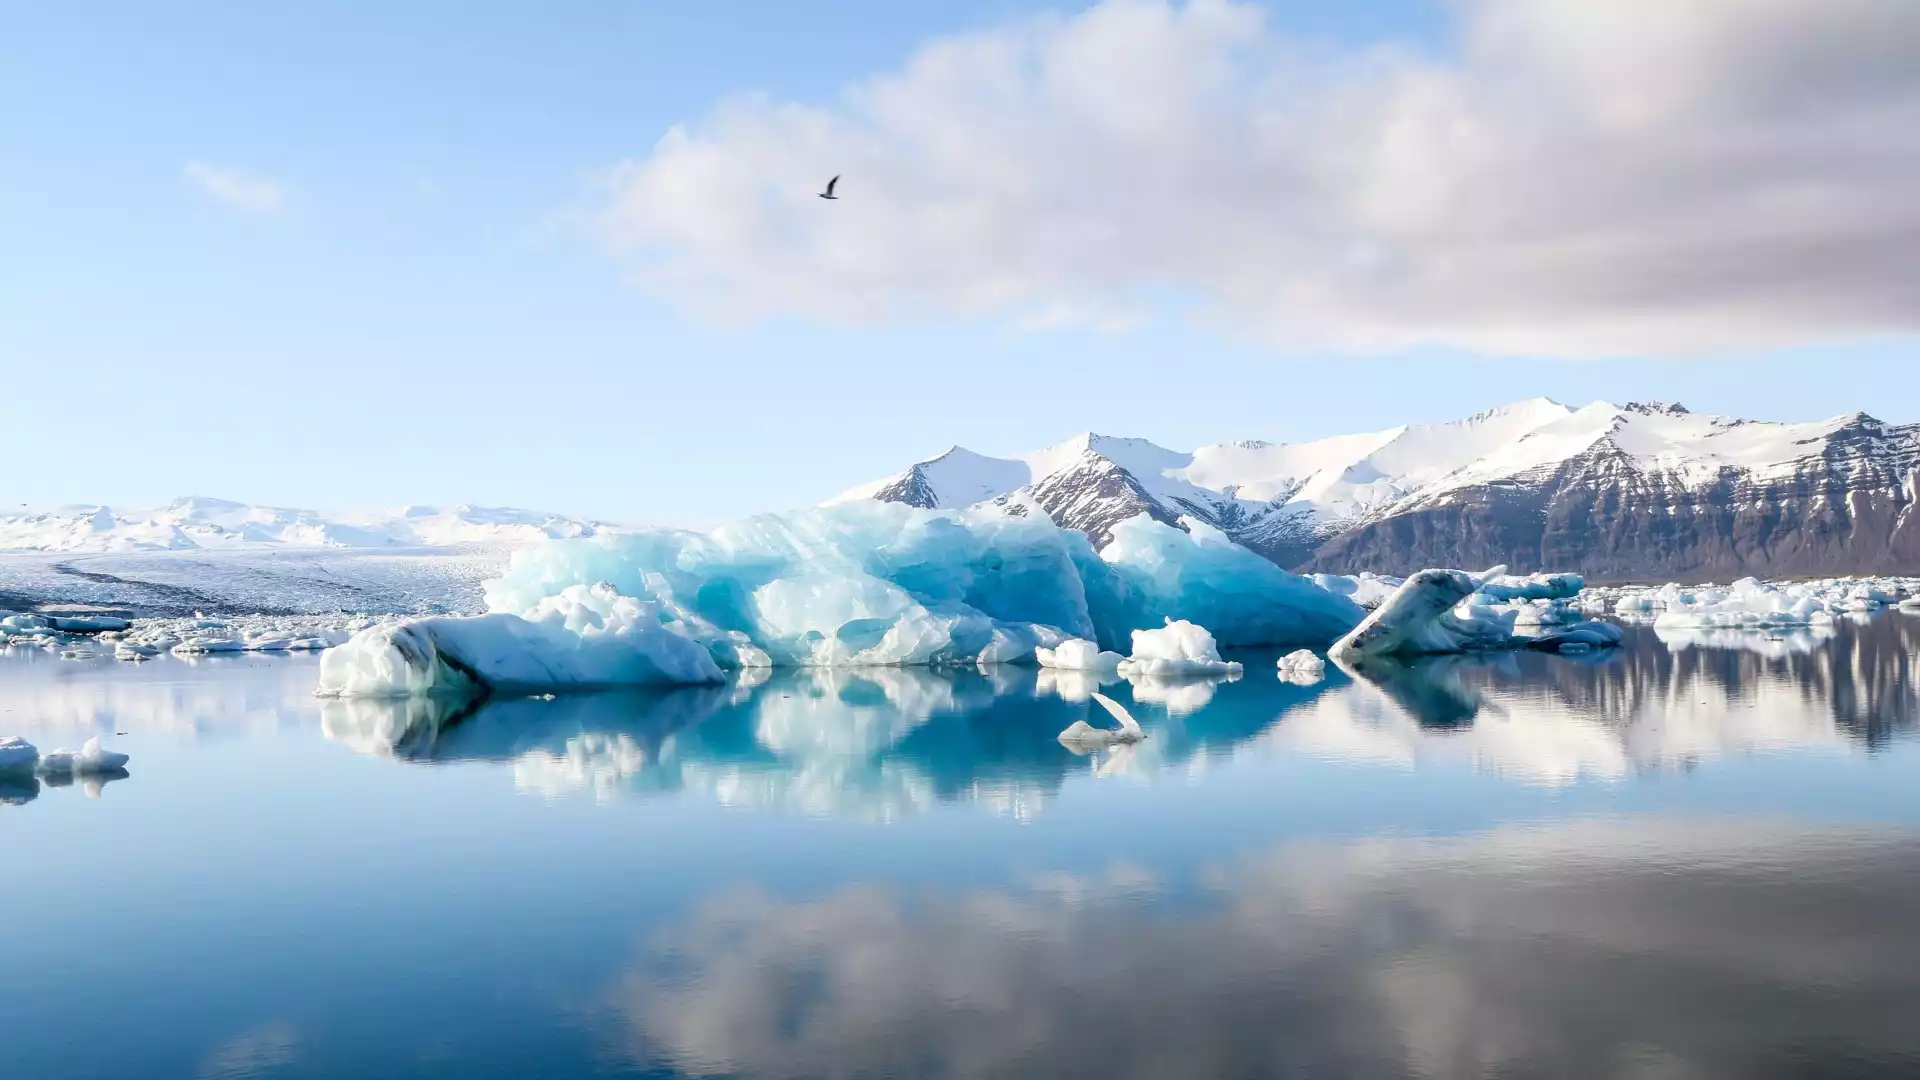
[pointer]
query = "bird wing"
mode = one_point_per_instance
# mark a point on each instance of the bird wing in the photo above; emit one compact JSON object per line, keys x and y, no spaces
{"x":1127,"y":722}
{"x":830,"y":184}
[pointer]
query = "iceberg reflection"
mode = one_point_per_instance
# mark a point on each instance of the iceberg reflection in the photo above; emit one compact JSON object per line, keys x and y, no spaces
{"x":882,"y":743}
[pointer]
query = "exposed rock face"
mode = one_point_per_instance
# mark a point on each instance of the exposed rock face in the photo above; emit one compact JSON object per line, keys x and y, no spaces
{"x":1846,"y":506}
{"x":1640,"y":492}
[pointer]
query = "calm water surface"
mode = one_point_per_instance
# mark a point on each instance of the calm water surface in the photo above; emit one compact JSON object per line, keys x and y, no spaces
{"x":1696,"y":857}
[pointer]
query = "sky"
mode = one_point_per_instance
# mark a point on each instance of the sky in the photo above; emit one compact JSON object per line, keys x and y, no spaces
{"x":567,"y":256}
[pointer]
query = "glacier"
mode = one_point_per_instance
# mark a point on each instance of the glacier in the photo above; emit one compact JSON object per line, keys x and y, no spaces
{"x":859,"y":584}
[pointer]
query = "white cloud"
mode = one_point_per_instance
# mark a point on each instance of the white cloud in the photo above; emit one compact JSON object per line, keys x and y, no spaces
{"x":243,"y":191}
{"x":1581,"y":179}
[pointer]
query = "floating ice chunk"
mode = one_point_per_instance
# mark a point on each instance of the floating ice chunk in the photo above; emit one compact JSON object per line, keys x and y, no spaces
{"x":1582,"y":638}
{"x":1449,"y":611}
{"x":1419,"y":618}
{"x":1176,"y":650}
{"x":25,"y":624}
{"x":135,"y":653}
{"x":1078,"y":654}
{"x":90,"y":760}
{"x":460,"y":656}
{"x":17,"y":755}
{"x":202,"y":644}
{"x":1302,"y":667}
{"x":1081,"y":734}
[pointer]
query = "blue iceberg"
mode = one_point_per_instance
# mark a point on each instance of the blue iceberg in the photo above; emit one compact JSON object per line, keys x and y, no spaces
{"x":857,"y":584}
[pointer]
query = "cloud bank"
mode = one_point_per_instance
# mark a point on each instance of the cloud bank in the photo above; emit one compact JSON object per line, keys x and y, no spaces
{"x":1571,"y":178}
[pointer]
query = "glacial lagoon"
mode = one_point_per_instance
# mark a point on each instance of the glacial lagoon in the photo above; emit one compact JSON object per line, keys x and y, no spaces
{"x":1695,"y":856}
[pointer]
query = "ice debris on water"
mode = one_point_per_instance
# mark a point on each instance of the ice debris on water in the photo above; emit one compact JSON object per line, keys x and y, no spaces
{"x":1303,"y":667}
{"x":17,"y":755}
{"x":1082,"y":735}
{"x":1754,"y":604}
{"x":90,"y":760}
{"x":80,"y":637}
{"x":856,"y":584}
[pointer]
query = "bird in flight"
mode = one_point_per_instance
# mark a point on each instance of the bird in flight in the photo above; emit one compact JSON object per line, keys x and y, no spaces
{"x":828,"y":194}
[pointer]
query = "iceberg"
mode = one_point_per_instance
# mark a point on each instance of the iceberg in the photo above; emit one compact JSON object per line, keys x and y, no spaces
{"x":1450,"y":611}
{"x":851,"y":585}
{"x":90,"y":760}
{"x":1179,"y":649}
{"x":17,"y":755}
{"x":1302,"y":667}
{"x":468,"y":656}
{"x":1082,"y":735}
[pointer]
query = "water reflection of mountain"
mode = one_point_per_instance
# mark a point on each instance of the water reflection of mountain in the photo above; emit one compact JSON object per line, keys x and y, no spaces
{"x":1860,"y":680}
{"x":1654,"y":704}
{"x":874,"y":744}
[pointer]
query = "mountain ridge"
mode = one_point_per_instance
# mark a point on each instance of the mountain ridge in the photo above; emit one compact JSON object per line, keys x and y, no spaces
{"x":1616,"y":492}
{"x":199,"y":523}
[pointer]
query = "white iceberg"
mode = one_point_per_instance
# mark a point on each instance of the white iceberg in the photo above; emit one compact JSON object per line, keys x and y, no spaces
{"x":857,"y":584}
{"x":1302,"y":667}
{"x":1082,"y":735}
{"x":17,"y":755}
{"x":1177,"y":650}
{"x":90,"y":760}
{"x":1078,"y":654}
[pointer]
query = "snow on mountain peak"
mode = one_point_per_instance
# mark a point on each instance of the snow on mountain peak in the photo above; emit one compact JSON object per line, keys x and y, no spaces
{"x":1286,"y":498}
{"x":200,"y":522}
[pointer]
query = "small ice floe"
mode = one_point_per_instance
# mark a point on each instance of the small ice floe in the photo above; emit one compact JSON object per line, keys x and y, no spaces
{"x":17,"y":756}
{"x":90,"y":760}
{"x":1081,"y":735}
{"x":1302,"y":667}
{"x":1585,"y":637}
{"x":199,"y":644}
{"x":1176,"y":650}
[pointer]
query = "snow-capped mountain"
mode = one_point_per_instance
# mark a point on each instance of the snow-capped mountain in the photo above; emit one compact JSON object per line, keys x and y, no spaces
{"x":1616,"y":492}
{"x":217,"y":524}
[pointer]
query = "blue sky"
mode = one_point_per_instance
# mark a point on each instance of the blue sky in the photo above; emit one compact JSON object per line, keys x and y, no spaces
{"x":355,"y":254}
